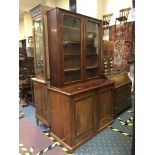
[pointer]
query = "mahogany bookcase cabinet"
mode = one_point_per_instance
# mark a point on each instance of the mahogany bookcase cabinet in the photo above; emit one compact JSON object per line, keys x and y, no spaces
{"x":42,"y":76}
{"x":80,"y":100}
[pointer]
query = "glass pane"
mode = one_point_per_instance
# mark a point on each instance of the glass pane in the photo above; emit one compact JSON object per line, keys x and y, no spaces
{"x":72,"y":76}
{"x":71,"y":21}
{"x":92,"y":42}
{"x":72,"y":48}
{"x":71,"y":35}
{"x":38,"y":31}
{"x":91,"y":26}
{"x":92,"y":72}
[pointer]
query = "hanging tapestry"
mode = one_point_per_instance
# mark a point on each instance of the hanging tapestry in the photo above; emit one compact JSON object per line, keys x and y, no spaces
{"x":124,"y":46}
{"x":122,"y":53}
{"x":122,"y":32}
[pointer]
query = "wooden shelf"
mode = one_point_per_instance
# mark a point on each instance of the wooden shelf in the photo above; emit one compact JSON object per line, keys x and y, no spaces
{"x":92,"y":67}
{"x":92,"y":54}
{"x":91,"y":41}
{"x":71,"y":42}
{"x":22,"y":58}
{"x":72,"y":69}
{"x":30,"y":58}
{"x":69,"y":27}
{"x":90,"y":31}
{"x":72,"y":54}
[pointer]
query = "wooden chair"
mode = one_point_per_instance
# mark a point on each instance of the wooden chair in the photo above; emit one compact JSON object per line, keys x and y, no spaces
{"x":123,"y":15}
{"x":106,"y":20}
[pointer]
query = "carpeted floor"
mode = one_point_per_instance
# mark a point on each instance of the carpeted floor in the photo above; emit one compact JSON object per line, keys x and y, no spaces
{"x":107,"y":142}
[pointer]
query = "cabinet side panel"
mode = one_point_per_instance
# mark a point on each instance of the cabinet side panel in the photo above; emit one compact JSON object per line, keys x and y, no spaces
{"x":55,"y":55}
{"x":60,"y":115}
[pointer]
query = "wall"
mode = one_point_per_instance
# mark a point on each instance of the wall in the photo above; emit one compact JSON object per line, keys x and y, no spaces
{"x":100,"y":8}
{"x":25,"y":26}
{"x":93,"y":8}
{"x":21,"y":29}
{"x":87,"y":7}
{"x":25,"y":23}
{"x":96,"y":8}
{"x":28,"y":24}
{"x":62,"y":4}
{"x":112,"y":6}
{"x":50,"y":3}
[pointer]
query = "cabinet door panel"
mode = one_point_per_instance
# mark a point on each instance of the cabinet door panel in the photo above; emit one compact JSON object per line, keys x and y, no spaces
{"x":105,"y":107}
{"x":84,"y":115}
{"x":40,"y":95}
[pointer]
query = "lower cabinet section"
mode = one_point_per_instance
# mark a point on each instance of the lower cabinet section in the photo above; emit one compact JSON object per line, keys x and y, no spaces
{"x":41,"y":101}
{"x":78,"y":112}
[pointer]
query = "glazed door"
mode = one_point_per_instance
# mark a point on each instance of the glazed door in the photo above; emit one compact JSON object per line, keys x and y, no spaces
{"x":71,"y":39}
{"x":39,"y":47}
{"x":92,"y":49}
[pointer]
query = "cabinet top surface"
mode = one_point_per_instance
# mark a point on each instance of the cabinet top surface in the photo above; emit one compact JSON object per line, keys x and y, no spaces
{"x":70,"y":12}
{"x":81,"y":87}
{"x":119,"y":79}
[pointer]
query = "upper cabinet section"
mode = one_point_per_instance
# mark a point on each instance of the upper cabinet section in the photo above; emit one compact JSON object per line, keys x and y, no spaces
{"x":74,"y":47}
{"x":40,"y":34}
